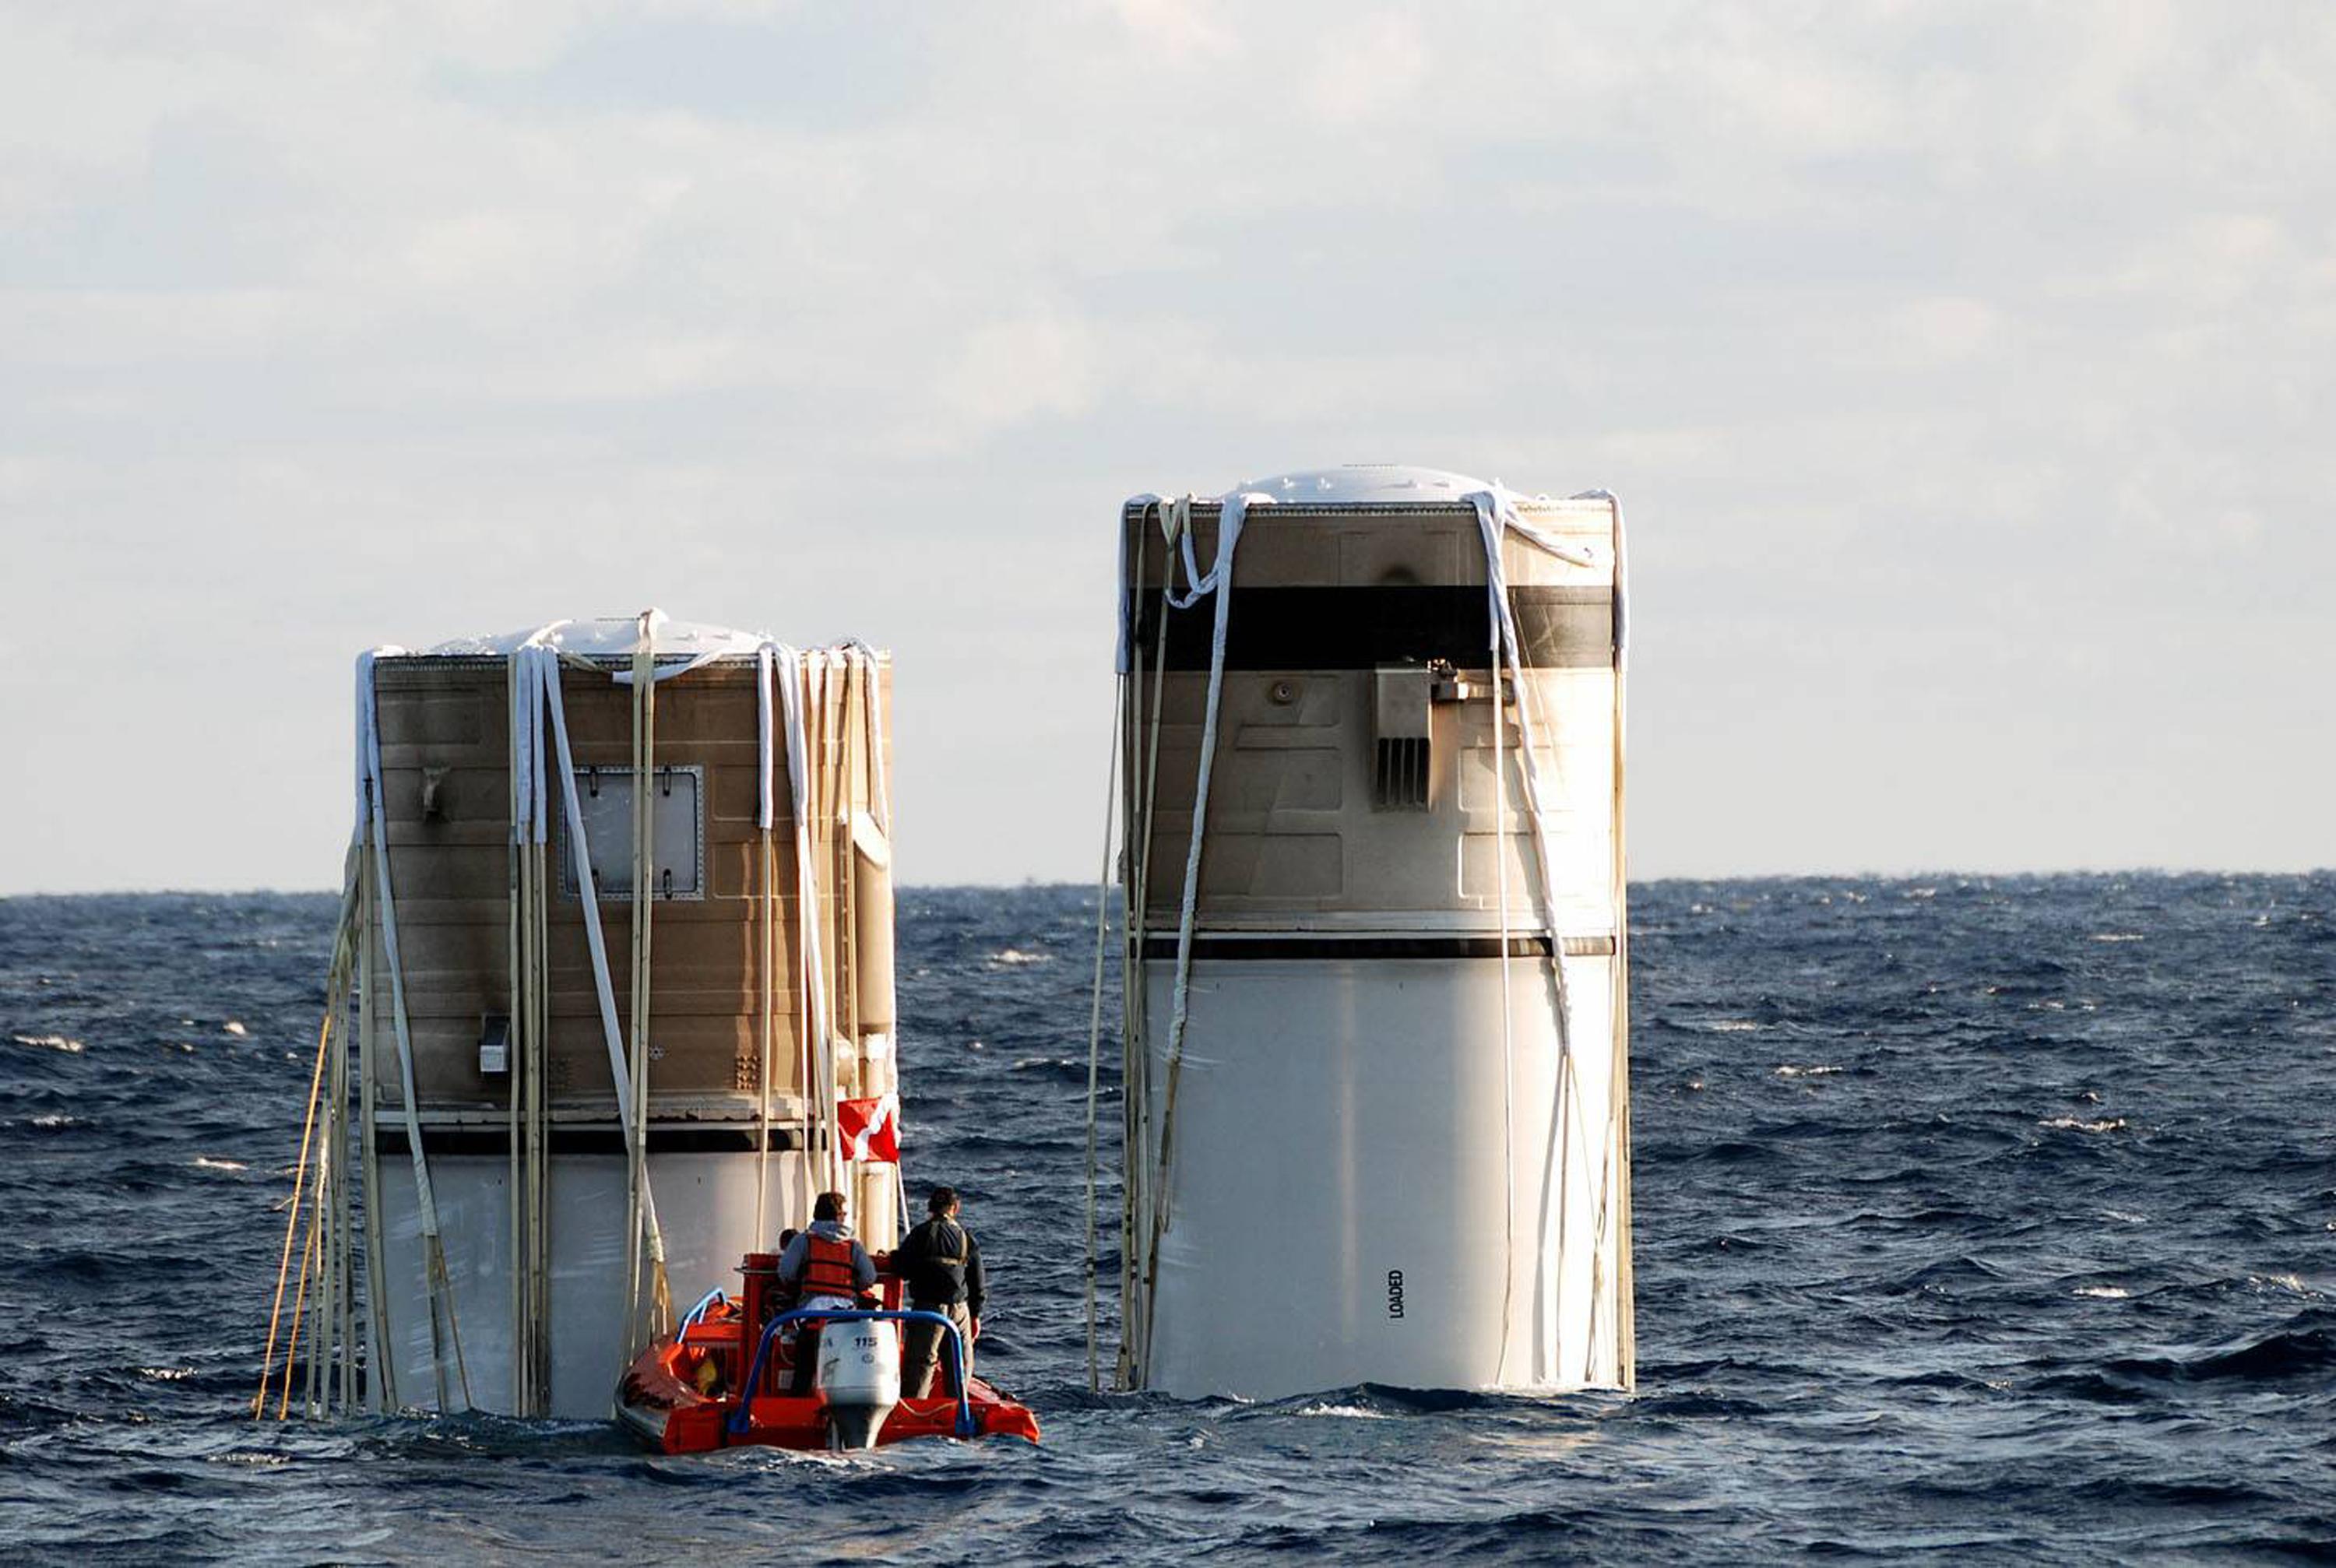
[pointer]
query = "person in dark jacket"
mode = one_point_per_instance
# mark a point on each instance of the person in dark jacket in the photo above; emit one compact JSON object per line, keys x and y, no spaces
{"x":940,"y":1264}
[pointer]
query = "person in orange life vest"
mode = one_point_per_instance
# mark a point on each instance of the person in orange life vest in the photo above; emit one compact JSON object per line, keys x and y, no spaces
{"x":824,"y":1267}
{"x":940,"y":1263}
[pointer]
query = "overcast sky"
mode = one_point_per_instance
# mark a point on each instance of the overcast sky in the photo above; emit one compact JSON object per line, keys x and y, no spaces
{"x":1965,"y":370}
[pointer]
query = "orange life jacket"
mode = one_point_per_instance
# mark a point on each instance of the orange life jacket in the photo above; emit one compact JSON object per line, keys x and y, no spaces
{"x":827,"y":1271}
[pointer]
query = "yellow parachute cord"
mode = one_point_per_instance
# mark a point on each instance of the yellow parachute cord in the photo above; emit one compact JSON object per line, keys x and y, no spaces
{"x":336,"y":995}
{"x":291,"y":1228}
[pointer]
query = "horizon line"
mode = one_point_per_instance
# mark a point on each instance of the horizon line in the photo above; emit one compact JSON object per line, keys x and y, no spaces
{"x":1918,"y":874}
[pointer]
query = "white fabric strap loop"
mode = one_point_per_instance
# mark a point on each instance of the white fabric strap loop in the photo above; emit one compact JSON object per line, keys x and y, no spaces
{"x":1127,"y":606}
{"x":374,"y":824}
{"x":873,"y":665}
{"x":579,"y":858}
{"x":1504,"y":502}
{"x":1496,"y":515}
{"x":1234,"y":510}
{"x":784,"y":667}
{"x":765,"y":799}
{"x":1496,"y":518}
{"x":1231,"y":518}
{"x":369,"y":771}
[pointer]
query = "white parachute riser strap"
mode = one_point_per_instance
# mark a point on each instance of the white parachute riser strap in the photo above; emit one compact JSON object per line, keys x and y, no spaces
{"x":810,"y":985}
{"x":344,"y":1274}
{"x":1613,"y":1165}
{"x":879,"y":793}
{"x":515,"y":1013}
{"x":1135,"y":849}
{"x":816,"y":925}
{"x":579,"y":859}
{"x":1142,"y":1197}
{"x":525,"y":1121}
{"x":872,"y":695}
{"x":1492,"y":514}
{"x":1505,"y":504}
{"x":1618,"y":982}
{"x":644,"y":870}
{"x":374,"y":824}
{"x":1095,"y":1012}
{"x":1496,"y":518}
{"x":766,"y":735}
{"x":1508,"y":671}
{"x":537,"y":1054}
{"x":1496,"y":513}
{"x":1508,"y":1023}
{"x":382,"y":1390}
{"x":870,"y":666}
{"x":1232,"y":515}
{"x":1136,"y":1075}
{"x":530,"y":1021}
{"x":766,"y":877}
{"x":1130,"y":604}
{"x":767,"y":822}
{"x":1230,"y":524}
{"x":1137,"y":1242}
{"x":821,"y":666}
{"x":786,"y":665}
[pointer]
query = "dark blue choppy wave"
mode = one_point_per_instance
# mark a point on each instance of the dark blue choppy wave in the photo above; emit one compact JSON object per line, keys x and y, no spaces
{"x":1995,"y":1216}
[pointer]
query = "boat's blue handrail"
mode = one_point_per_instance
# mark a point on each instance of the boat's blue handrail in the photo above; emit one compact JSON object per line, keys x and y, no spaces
{"x":695,"y":1314}
{"x":740,"y":1418}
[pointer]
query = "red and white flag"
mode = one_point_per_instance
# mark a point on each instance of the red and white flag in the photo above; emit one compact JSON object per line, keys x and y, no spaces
{"x":871,"y":1129}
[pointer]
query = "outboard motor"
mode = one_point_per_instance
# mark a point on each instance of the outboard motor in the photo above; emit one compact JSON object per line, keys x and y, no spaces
{"x":858,"y":1381}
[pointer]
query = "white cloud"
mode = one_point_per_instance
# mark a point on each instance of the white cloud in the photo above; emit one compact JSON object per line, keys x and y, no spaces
{"x":1005,"y":372}
{"x":1948,"y":328}
{"x":1367,"y":68}
{"x":1180,"y":31}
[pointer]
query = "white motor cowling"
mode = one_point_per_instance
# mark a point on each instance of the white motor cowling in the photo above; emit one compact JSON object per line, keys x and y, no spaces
{"x":858,"y":1381}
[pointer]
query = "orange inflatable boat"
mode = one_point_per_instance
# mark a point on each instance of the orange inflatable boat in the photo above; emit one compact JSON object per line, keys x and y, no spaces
{"x":722,"y":1378}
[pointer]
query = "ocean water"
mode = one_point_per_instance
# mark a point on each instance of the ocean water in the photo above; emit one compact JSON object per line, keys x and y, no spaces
{"x":1991,"y":1217}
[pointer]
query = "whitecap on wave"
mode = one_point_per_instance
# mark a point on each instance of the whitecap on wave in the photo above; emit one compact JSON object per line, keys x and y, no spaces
{"x":1016,"y":956}
{"x":2293,"y":1282}
{"x":1788,"y":1070}
{"x":2071,"y":1125}
{"x":49,"y":1043}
